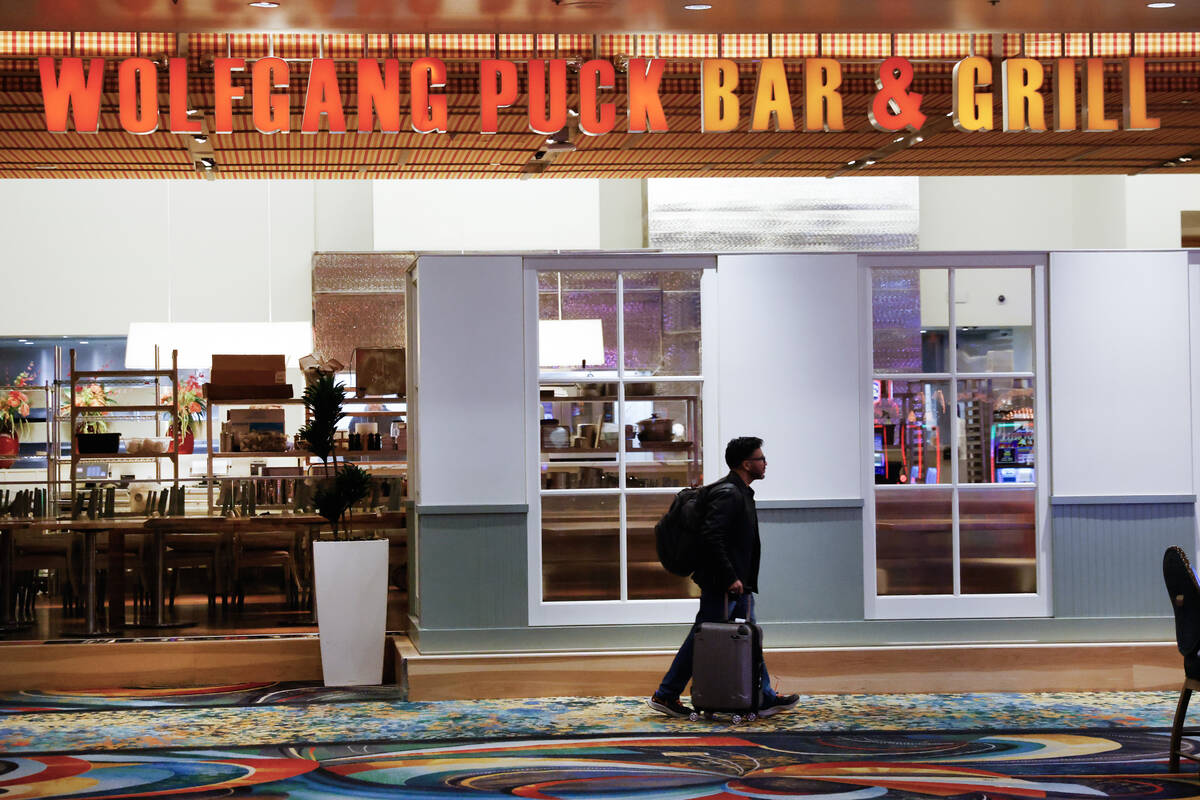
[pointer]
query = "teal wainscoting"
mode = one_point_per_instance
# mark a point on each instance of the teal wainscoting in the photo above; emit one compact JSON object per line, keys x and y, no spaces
{"x":1107,"y":556}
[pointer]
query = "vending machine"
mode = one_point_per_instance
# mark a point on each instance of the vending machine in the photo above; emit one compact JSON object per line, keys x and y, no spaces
{"x":1012,"y":451}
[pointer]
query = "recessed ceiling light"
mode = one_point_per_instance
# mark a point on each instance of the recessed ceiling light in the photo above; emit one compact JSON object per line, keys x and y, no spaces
{"x":917,"y":139}
{"x":1160,"y":5}
{"x":697,"y":7}
{"x":201,"y":138}
{"x":264,"y":4}
{"x":1184,"y":159}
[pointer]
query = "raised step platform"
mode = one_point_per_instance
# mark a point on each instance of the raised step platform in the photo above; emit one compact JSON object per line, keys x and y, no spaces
{"x":833,"y":670}
{"x":181,"y":662}
{"x":836,"y":670}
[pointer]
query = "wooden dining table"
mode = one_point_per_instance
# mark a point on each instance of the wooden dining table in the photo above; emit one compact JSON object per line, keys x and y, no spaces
{"x":158,"y":528}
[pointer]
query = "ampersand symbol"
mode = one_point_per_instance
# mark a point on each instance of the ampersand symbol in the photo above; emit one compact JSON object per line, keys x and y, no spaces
{"x":894,"y":107}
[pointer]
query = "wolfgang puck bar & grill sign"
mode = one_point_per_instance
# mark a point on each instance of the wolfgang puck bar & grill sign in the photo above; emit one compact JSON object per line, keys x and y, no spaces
{"x":1031,"y":99}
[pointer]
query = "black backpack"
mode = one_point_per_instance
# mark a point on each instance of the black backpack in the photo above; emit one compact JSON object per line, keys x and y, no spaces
{"x":677,"y":534}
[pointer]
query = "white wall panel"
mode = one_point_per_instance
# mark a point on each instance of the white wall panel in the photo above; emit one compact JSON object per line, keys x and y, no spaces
{"x":89,"y":257}
{"x":789,"y":370}
{"x":345,"y":215}
{"x":489,"y":215}
{"x":1153,"y":203}
{"x":471,"y":378}
{"x":82,"y":257}
{"x":290,"y":215}
{"x":1120,"y":371}
{"x":219,"y":252}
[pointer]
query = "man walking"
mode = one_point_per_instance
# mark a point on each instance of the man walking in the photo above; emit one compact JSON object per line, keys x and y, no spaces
{"x":728,"y":572}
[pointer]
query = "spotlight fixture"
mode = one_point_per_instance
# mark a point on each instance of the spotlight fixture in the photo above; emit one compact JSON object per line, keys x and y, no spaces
{"x":263,"y":4}
{"x":869,"y":162}
{"x":1160,"y":5}
{"x":697,"y":7}
{"x":918,"y":139}
{"x":559,"y":142}
{"x":1184,"y":159}
{"x":200,"y":138}
{"x":208,"y":163}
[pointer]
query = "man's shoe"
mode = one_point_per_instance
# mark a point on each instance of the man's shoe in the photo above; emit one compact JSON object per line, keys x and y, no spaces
{"x":672,"y":708}
{"x":776,"y":703}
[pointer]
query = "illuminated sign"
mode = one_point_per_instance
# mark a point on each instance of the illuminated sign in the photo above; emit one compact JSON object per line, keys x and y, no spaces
{"x":72,"y":90}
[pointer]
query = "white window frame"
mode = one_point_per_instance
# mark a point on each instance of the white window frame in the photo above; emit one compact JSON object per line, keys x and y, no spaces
{"x":957,"y":605}
{"x":611,"y":612}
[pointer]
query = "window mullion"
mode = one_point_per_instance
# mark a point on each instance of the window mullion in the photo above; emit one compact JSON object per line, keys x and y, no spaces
{"x":955,"y":433}
{"x":620,"y":422}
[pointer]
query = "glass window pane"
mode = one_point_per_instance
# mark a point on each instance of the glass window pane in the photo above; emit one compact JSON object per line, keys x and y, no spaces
{"x":578,"y":296}
{"x":912,"y":432}
{"x":661,"y":434}
{"x":910,"y":319}
{"x":647,"y":578}
{"x":993,"y":313}
{"x":998,"y":542}
{"x":581,"y":547}
{"x":662,"y":322}
{"x":997,"y":445}
{"x":914,"y":550}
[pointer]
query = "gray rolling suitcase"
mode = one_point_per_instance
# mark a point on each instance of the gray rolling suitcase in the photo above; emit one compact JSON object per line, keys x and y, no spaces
{"x":727,"y":669}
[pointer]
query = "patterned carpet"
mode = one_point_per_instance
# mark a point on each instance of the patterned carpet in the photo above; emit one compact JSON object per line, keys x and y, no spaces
{"x":308,"y":743}
{"x":1119,"y":764}
{"x":358,"y":719}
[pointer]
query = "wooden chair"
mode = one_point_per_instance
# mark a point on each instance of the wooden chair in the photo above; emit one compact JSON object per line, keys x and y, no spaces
{"x":1185,"y":600}
{"x":205,"y":551}
{"x":266,"y":549}
{"x":36,"y":552}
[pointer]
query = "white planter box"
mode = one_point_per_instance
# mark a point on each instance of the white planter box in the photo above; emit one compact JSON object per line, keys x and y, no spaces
{"x":351,"y":597}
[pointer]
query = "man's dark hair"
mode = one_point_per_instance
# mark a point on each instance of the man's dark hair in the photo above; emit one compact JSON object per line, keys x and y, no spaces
{"x":741,"y":448}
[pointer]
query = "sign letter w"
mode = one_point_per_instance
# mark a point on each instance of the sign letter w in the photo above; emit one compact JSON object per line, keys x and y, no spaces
{"x":72,"y":88}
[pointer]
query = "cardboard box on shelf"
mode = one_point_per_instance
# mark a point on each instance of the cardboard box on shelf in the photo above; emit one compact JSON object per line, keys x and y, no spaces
{"x":274,"y":391}
{"x":247,"y":377}
{"x":244,"y":420}
{"x":258,"y":363}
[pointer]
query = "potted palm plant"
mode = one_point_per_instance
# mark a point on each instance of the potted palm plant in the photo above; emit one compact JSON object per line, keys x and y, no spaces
{"x":14,"y":411}
{"x":350,"y":573}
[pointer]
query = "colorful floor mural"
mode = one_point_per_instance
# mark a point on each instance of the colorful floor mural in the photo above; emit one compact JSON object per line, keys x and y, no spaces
{"x":101,"y":728}
{"x":1121,"y":764}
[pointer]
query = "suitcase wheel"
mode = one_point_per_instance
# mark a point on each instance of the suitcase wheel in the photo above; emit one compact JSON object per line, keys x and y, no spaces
{"x":737,"y":719}
{"x":692,"y":717}
{"x":751,"y":717}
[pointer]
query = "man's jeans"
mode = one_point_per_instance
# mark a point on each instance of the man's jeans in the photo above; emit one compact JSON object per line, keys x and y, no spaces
{"x":714,"y":607}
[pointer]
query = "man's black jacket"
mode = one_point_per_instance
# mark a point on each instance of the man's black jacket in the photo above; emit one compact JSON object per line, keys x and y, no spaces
{"x":729,"y":541}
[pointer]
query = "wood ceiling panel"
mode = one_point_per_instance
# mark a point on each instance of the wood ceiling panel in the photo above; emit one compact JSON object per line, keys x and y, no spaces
{"x":27,"y":150}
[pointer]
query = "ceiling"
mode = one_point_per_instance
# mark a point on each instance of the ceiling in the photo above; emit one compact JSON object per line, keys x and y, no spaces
{"x":590,"y":16}
{"x":28,"y":151}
